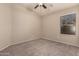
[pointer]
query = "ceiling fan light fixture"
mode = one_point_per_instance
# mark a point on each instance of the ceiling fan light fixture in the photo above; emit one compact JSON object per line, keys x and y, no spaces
{"x":36,"y":6}
{"x":40,"y":5}
{"x":44,"y":6}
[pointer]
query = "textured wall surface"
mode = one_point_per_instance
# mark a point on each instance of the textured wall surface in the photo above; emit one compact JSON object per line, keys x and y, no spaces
{"x":26,"y":25}
{"x":5,"y":25}
{"x":51,"y":27}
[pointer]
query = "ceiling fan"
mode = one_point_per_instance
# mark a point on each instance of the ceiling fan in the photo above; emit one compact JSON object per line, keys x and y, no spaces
{"x":41,"y":5}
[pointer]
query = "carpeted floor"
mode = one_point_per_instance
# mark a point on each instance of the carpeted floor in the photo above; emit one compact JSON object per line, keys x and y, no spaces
{"x":40,"y":47}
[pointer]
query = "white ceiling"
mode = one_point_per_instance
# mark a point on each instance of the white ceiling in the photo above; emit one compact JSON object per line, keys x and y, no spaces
{"x":51,"y":7}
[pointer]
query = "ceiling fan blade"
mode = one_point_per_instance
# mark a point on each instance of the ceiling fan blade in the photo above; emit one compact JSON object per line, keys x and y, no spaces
{"x":36,"y":6}
{"x":44,"y":6}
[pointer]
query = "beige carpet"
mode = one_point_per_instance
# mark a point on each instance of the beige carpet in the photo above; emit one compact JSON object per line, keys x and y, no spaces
{"x":41,"y":47}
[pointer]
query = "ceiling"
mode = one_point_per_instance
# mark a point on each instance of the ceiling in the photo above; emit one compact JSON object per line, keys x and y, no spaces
{"x":51,"y":7}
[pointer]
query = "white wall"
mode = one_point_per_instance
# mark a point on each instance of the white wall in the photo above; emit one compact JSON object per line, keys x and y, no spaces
{"x":5,"y":25}
{"x":17,"y":25}
{"x":51,"y":27}
{"x":26,"y":25}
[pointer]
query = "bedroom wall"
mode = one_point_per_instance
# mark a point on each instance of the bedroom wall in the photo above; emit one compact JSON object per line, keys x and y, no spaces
{"x":51,"y":27}
{"x":18,"y":24}
{"x":26,"y":25}
{"x":5,"y":25}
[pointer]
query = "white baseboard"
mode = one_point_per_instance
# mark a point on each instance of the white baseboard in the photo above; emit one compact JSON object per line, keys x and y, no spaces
{"x":62,"y":42}
{"x":30,"y":39}
{"x":4,"y":47}
{"x":35,"y":38}
{"x":13,"y":43}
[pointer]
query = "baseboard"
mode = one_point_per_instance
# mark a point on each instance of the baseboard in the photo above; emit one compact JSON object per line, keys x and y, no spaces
{"x":4,"y":47}
{"x":7,"y":45}
{"x":30,"y":39}
{"x":35,"y":38}
{"x":61,"y":42}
